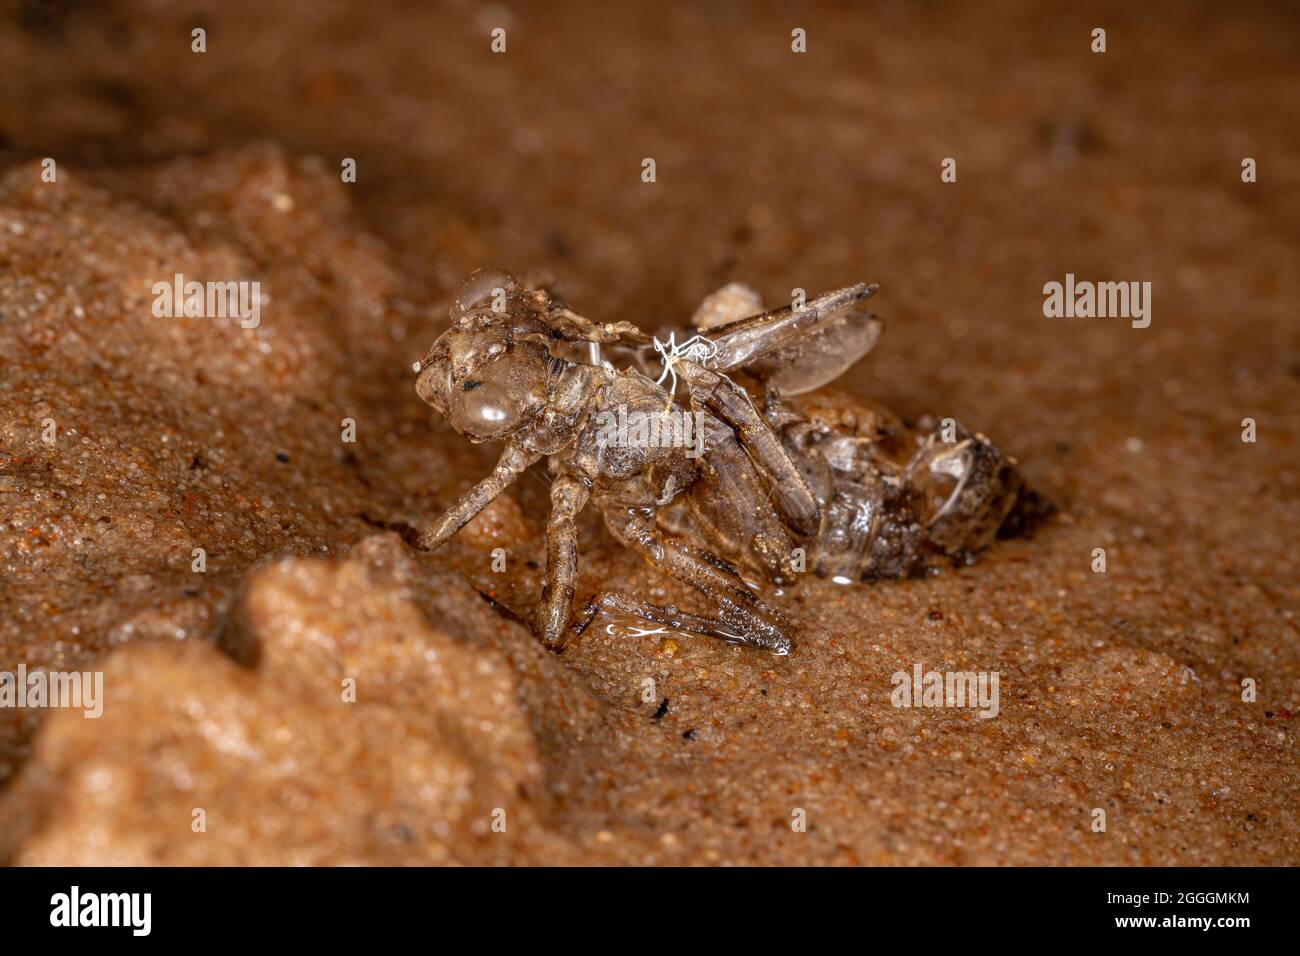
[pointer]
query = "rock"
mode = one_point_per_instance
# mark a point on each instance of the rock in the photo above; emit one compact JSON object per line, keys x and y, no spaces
{"x":358,"y":733}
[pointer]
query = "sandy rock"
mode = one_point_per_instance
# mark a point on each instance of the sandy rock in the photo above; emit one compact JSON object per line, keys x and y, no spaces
{"x":362,"y":734}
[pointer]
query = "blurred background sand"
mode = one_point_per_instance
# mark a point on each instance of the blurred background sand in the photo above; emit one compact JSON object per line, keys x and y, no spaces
{"x":1120,"y":691}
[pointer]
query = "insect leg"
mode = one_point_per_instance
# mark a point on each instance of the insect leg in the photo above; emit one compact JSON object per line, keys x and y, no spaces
{"x":568,"y":495}
{"x":731,"y":403}
{"x":671,"y":617}
{"x":740,"y":609}
{"x":512,"y":464}
{"x":730,"y":509}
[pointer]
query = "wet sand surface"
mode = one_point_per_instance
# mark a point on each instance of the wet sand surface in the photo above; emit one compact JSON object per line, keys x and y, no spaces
{"x":224,"y":690}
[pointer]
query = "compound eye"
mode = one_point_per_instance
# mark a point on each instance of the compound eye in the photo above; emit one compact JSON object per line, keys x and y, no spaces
{"x":485,"y":409}
{"x":484,"y":289}
{"x":495,"y":398}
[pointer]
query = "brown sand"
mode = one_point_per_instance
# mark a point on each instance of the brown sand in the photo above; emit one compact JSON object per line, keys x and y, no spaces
{"x":1120,"y":691}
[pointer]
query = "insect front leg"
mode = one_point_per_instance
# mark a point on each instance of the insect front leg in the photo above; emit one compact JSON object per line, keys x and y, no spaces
{"x":513,"y":463}
{"x":568,"y":496}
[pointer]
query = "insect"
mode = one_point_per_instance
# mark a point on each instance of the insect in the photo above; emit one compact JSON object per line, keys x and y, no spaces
{"x":756,"y":474}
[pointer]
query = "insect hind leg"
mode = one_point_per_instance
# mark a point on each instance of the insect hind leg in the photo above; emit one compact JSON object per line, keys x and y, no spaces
{"x":740,"y":610}
{"x":678,"y":620}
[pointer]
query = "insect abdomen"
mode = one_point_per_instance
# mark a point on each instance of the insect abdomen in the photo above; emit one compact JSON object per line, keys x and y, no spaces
{"x":885,"y":520}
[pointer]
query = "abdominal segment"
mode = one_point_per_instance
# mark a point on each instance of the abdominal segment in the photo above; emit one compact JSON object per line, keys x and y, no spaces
{"x":896,"y":499}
